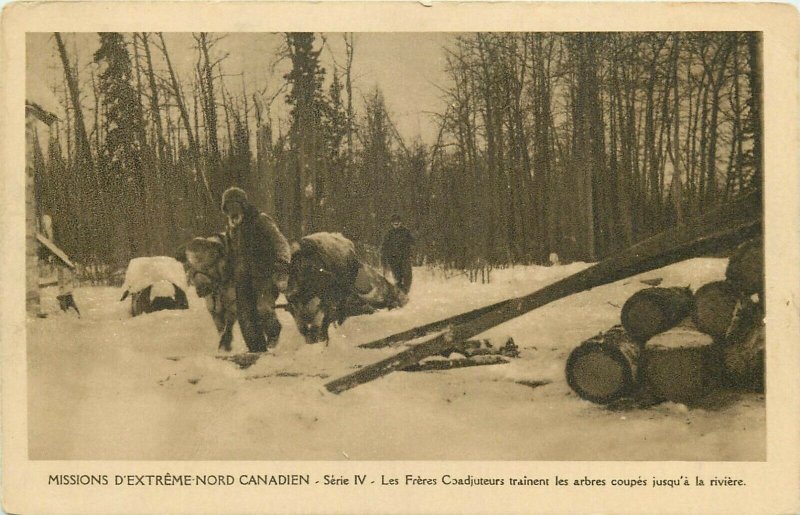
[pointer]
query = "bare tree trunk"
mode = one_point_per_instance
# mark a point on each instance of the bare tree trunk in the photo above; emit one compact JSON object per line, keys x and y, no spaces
{"x":176,"y":91}
{"x":84,"y":162}
{"x":83,"y":151}
{"x":155,"y":112}
{"x":754,"y":42}
{"x":677,"y":196}
{"x":349,"y":41}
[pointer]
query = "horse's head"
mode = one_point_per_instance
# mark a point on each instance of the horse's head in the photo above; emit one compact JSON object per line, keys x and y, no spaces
{"x":205,"y":259}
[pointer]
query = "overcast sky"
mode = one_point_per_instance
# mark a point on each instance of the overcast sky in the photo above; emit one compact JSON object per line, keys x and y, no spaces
{"x":408,"y":67}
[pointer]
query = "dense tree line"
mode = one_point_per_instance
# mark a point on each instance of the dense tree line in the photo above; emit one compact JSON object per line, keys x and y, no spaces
{"x":580,"y":144}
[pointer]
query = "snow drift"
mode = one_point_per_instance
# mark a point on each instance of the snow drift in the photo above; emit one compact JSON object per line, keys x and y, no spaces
{"x":112,"y":387}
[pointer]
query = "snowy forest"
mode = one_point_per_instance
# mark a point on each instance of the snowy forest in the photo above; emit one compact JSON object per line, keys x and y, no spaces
{"x":579,"y":144}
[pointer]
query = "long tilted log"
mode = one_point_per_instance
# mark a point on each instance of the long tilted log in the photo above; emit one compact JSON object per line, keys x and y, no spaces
{"x":652,"y":311}
{"x":424,"y":330}
{"x":605,"y":368}
{"x":680,"y":365}
{"x":743,"y":360}
{"x":715,"y":231}
{"x":722,"y":310}
{"x":746,"y":267}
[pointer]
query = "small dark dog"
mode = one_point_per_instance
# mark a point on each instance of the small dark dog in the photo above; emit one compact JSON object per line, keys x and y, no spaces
{"x":210,"y":272}
{"x":67,"y":301}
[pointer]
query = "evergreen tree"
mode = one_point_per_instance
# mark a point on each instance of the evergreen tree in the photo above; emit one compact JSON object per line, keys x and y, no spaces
{"x":308,"y":106}
{"x":120,"y":157}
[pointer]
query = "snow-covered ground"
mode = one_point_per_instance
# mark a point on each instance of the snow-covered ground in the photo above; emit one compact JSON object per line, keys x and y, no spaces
{"x":108,"y":386}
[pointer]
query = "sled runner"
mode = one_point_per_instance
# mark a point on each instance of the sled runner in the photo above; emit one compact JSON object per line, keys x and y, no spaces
{"x":719,"y":230}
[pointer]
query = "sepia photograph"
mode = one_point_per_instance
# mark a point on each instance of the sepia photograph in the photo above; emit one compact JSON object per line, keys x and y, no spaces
{"x":368,"y":257}
{"x":382,"y":246}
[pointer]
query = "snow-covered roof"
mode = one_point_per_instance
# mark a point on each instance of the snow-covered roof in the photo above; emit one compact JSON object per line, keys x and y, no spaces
{"x":146,"y":271}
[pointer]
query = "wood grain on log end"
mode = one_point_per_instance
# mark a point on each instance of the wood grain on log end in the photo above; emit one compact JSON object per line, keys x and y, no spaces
{"x":719,"y":306}
{"x":605,"y":367}
{"x":654,"y":310}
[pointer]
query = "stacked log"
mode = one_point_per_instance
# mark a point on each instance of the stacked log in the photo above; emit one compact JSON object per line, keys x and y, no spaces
{"x":743,"y":361}
{"x":605,"y":368}
{"x":732,"y":312}
{"x":723,"y":311}
{"x":746,"y":267}
{"x":676,"y":346}
{"x":654,"y":310}
{"x":680,"y":365}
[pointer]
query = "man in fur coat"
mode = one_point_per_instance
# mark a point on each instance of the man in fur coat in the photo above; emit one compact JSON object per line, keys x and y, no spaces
{"x":261,"y":258}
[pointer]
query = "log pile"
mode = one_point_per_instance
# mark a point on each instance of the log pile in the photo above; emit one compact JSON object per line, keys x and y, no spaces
{"x":677,"y":346}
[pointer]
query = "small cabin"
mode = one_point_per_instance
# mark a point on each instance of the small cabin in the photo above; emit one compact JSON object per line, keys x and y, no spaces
{"x":36,"y":117}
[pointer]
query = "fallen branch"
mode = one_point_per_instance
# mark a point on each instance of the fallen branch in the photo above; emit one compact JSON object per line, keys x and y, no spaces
{"x":448,"y":364}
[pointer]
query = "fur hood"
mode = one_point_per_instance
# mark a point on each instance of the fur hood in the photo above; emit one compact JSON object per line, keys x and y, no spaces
{"x":234,"y":194}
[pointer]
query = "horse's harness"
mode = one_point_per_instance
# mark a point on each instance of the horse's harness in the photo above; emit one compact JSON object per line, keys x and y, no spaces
{"x":218,"y":274}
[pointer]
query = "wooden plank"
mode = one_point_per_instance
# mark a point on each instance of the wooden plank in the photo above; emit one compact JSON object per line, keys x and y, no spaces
{"x":53,"y":248}
{"x":718,"y":230}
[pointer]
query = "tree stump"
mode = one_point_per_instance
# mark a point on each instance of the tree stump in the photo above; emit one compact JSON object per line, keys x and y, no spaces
{"x":605,"y":367}
{"x":680,"y":365}
{"x":721,"y":310}
{"x":652,"y":311}
{"x":746,"y":267}
{"x":743,"y":360}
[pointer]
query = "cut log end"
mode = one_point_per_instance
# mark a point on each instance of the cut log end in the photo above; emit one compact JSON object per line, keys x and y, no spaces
{"x":654,"y":310}
{"x":604,"y":368}
{"x":642,"y":319}
{"x":720,"y":307}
